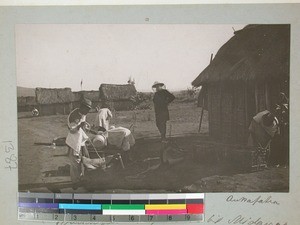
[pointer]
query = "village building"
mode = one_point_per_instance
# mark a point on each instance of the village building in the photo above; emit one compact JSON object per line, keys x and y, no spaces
{"x":118,"y":96}
{"x":91,"y":95}
{"x":245,"y":77}
{"x":26,"y":103}
{"x":53,"y":101}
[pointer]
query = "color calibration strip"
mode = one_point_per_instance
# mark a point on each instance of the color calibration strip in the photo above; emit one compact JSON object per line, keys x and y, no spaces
{"x":111,"y":207}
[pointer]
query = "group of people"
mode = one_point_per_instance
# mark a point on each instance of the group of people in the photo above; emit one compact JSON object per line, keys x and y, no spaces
{"x":262,"y":130}
{"x":103,"y":134}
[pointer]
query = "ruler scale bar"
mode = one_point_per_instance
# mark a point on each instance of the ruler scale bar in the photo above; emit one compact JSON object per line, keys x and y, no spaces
{"x":165,"y":206}
{"x":123,"y":212}
{"x":124,"y":206}
{"x":111,"y":207}
{"x":39,"y":205}
{"x":166,"y":212}
{"x":80,"y":206}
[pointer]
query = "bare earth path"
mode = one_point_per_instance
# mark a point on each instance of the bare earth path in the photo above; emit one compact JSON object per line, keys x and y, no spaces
{"x":188,"y":176}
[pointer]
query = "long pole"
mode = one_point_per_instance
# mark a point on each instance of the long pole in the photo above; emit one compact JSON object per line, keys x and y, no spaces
{"x":202,"y":110}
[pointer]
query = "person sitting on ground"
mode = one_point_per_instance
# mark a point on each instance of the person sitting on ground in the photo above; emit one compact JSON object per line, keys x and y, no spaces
{"x":35,"y":112}
{"x":103,"y":117}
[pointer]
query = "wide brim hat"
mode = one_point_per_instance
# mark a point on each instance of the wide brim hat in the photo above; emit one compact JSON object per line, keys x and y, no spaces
{"x":156,"y":84}
{"x":86,"y":102}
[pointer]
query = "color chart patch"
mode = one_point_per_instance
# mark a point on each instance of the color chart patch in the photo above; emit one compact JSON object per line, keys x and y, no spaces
{"x":111,"y":207}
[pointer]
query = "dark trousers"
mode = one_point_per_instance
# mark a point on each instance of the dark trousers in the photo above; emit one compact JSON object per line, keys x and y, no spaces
{"x":162,"y":127}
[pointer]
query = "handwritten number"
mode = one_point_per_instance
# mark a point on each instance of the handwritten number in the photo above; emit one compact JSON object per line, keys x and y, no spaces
{"x":12,"y":167}
{"x":131,"y":218}
{"x":11,"y":159}
{"x":9,"y":147}
{"x":150,"y":218}
{"x":170,"y":217}
{"x":56,"y":217}
{"x":187,"y":217}
{"x":94,"y":217}
{"x":74,"y":217}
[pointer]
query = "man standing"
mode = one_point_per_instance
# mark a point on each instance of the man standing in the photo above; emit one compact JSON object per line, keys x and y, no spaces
{"x":76,"y":140}
{"x":162,"y":98}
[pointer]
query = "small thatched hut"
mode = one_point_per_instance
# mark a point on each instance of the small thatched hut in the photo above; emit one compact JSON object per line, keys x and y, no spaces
{"x":54,"y":101}
{"x":26,"y":104}
{"x":118,"y":97}
{"x":245,"y":77}
{"x":91,"y":95}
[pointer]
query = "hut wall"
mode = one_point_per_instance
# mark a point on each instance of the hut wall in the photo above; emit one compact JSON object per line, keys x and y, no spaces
{"x":22,"y":108}
{"x":55,"y":109}
{"x":240,"y":125}
{"x":46,"y":110}
{"x":230,"y":110}
{"x":123,"y":105}
{"x":260,"y":97}
{"x":75,"y":104}
{"x":63,"y":109}
{"x":227,"y":114}
{"x":26,"y":104}
{"x":214,"y":111}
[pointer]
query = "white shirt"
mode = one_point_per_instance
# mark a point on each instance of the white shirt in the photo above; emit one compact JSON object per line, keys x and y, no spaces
{"x":102,"y":118}
{"x":76,"y":136}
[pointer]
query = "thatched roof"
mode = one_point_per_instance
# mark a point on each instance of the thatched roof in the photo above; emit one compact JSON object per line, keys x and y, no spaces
{"x":25,"y":101}
{"x":257,"y":52}
{"x":113,"y":92}
{"x":91,"y":95}
{"x":77,"y":96}
{"x":52,"y":96}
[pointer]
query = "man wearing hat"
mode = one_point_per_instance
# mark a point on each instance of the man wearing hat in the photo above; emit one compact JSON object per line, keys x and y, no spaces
{"x":76,"y":140}
{"x":161,"y":99}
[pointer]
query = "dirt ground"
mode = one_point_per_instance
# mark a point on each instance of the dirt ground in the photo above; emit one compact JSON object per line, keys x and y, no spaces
{"x":198,"y":171}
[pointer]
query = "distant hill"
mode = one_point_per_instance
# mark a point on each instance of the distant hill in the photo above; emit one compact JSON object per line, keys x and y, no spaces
{"x":23,"y":91}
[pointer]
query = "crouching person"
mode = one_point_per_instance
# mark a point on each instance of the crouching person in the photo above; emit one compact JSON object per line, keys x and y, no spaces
{"x":263,"y":128}
{"x":76,"y":141}
{"x":119,"y":137}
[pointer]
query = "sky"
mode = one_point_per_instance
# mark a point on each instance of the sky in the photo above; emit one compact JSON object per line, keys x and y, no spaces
{"x":61,"y":55}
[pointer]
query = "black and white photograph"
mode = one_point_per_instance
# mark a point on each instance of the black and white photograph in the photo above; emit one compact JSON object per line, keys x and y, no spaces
{"x":153,"y":108}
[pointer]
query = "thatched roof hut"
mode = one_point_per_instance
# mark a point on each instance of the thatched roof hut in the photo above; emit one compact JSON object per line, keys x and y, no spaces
{"x":26,"y":103}
{"x":113,"y":92}
{"x":53,"y":101}
{"x":53,"y":95}
{"x":255,"y":53}
{"x":245,"y":77}
{"x":119,"y":97}
{"x":91,"y":95}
